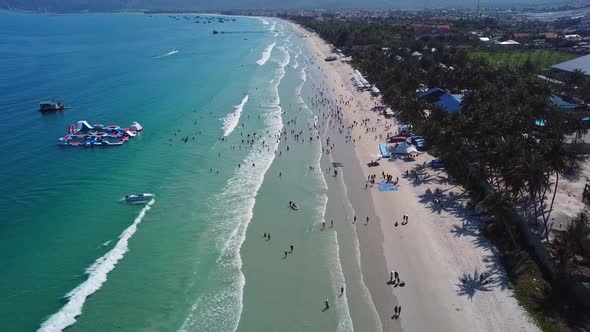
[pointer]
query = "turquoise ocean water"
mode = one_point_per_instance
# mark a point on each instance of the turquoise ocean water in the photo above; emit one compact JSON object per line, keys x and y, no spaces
{"x":194,"y":259}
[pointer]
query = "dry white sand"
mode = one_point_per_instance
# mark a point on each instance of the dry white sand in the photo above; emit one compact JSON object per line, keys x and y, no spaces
{"x":436,"y":249}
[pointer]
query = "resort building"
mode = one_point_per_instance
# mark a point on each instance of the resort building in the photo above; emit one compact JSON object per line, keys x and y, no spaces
{"x":443,"y":99}
{"x":582,"y":63}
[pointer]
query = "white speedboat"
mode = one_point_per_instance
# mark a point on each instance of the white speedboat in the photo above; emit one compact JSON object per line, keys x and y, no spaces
{"x":139,"y":198}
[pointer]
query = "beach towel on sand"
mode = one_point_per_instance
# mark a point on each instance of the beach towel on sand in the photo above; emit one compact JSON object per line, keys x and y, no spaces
{"x":385,"y":186}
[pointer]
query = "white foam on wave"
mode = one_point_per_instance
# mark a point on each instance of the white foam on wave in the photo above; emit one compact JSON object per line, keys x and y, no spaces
{"x":97,"y":275}
{"x":230,"y":122}
{"x":336,"y":273}
{"x":266,"y":54}
{"x":221,"y":309}
{"x":166,"y":55}
{"x":264,"y":21}
{"x":286,"y":59}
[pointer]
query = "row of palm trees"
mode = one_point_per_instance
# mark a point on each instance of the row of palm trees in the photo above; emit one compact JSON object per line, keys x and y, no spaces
{"x":508,"y":145}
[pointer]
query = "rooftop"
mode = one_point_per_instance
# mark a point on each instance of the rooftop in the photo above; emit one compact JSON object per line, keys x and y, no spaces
{"x":443,"y":99}
{"x":581,"y":63}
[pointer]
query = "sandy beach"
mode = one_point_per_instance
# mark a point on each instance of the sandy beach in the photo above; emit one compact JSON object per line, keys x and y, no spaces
{"x":439,"y":254}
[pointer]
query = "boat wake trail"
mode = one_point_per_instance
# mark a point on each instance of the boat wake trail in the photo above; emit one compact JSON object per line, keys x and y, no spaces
{"x":97,"y":275}
{"x":165,"y":55}
{"x":266,"y":54}
{"x":230,"y":122}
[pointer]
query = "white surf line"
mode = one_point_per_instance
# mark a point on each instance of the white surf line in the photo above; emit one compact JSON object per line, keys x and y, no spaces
{"x":166,"y":55}
{"x":356,"y":245}
{"x":97,"y":275}
{"x":230,"y":122}
{"x":223,"y":309}
{"x":336,"y":273}
{"x":266,"y":54}
{"x":264,"y":21}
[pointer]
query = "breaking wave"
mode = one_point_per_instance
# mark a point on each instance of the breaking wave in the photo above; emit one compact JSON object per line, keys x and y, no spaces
{"x":97,"y":275}
{"x":266,"y":54}
{"x":230,"y":122}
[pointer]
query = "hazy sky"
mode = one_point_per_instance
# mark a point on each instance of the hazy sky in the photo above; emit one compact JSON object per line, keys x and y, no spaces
{"x":240,"y":4}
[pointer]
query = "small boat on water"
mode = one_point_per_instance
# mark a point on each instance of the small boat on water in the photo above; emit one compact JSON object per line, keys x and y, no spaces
{"x":51,"y":106}
{"x":293,"y":206}
{"x":139,"y":198}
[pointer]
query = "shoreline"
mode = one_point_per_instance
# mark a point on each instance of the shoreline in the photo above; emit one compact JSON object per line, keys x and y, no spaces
{"x":436,"y":250}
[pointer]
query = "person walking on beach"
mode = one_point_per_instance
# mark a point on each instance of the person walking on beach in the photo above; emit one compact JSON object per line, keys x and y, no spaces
{"x":341,"y":291}
{"x":391,"y":276}
{"x":326,"y":305}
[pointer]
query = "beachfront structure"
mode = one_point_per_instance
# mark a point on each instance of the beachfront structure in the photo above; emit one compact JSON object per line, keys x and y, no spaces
{"x":406,"y":148}
{"x":427,"y":31}
{"x":443,"y":99}
{"x":508,"y":42}
{"x":582,"y":63}
{"x":359,"y":81}
{"x":375,"y":92}
{"x":563,"y":102}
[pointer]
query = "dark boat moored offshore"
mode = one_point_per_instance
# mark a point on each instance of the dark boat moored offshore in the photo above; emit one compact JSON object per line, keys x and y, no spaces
{"x":51,"y":106}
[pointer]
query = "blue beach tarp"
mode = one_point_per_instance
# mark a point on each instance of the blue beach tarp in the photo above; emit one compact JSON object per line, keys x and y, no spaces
{"x":386,"y":186}
{"x":383,"y":150}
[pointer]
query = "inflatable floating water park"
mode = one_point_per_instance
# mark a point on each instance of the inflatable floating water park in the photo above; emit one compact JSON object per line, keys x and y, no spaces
{"x":83,"y":134}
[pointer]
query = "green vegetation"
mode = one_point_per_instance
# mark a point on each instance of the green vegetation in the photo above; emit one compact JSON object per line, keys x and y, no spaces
{"x":492,"y":146}
{"x":547,"y":305}
{"x":541,"y":59}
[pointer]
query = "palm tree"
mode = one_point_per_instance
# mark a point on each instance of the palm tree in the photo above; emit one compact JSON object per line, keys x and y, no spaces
{"x":557,"y":157}
{"x":569,"y":243}
{"x":501,"y":207}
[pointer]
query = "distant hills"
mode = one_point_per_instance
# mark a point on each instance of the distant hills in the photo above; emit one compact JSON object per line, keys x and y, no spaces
{"x":111,"y":5}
